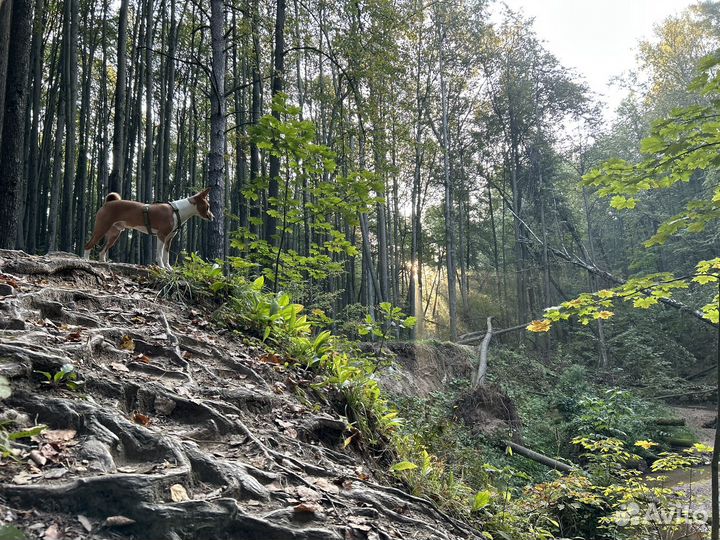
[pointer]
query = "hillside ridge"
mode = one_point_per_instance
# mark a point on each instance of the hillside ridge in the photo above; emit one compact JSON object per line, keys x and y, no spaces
{"x":178,"y":430}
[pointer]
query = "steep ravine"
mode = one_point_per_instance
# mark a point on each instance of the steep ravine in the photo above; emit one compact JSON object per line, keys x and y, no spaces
{"x":178,"y":431}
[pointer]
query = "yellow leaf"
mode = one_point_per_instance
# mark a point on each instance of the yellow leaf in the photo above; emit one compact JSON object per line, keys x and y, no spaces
{"x":539,"y":326}
{"x":647,"y":445}
{"x":604,"y":314}
{"x":127,"y":343}
{"x":178,"y":493}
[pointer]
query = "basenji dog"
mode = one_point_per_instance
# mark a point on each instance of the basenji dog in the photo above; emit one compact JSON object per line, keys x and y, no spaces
{"x":161,"y":219}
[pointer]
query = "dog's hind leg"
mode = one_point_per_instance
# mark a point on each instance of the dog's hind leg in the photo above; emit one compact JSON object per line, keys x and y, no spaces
{"x":98,"y":233}
{"x":111,"y":237}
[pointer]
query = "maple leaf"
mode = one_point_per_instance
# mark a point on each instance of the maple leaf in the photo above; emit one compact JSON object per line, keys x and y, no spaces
{"x":647,"y":445}
{"x":539,"y":326}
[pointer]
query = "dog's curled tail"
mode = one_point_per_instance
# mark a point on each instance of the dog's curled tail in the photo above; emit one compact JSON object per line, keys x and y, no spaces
{"x":112,"y":197}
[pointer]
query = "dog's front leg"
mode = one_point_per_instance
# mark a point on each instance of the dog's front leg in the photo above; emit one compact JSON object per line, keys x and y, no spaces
{"x":160,"y":257}
{"x":168,"y":242}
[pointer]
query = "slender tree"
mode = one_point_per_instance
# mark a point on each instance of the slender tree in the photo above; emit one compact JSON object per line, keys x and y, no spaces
{"x":216,"y":176}
{"x":13,"y":121}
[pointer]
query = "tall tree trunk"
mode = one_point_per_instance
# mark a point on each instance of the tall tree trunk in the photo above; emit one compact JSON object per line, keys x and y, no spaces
{"x":545,"y":262}
{"x":602,"y":345}
{"x":70,"y":41}
{"x":80,"y":210}
{"x":147,"y":188}
{"x":277,"y":87}
{"x":448,"y":203}
{"x":5,"y":29}
{"x":33,"y":159}
{"x":118,"y":146}
{"x":216,"y":244}
{"x":255,"y":210}
{"x":56,"y":172}
{"x":13,"y":121}
{"x":103,"y":173}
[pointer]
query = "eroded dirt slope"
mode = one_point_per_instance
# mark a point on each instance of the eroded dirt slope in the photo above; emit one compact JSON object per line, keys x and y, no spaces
{"x":178,"y":431}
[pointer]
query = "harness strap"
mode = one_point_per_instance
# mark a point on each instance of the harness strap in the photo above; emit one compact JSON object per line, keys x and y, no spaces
{"x":146,"y":215}
{"x":176,"y":211}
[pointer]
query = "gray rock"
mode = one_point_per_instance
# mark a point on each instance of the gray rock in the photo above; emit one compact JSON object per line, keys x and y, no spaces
{"x":6,"y":290}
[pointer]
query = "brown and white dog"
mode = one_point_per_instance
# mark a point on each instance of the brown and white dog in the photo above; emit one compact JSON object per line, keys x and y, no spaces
{"x":161,"y":219}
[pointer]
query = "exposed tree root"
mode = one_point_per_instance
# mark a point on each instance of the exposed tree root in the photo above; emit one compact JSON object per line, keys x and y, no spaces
{"x":184,"y":433}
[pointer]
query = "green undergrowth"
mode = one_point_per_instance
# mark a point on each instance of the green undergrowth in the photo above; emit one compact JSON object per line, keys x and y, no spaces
{"x":422,"y":444}
{"x":342,"y":374}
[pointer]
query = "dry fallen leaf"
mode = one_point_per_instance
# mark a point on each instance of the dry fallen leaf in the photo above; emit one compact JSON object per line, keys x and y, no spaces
{"x":38,"y":458}
{"x":307,"y":494}
{"x":272,"y":358}
{"x":73,"y":336}
{"x":53,"y":532}
{"x":85,"y":522}
{"x":21,"y":478}
{"x":141,"y":419}
{"x":59,"y":435}
{"x":55,"y":473}
{"x":117,"y":366}
{"x":325,"y":485}
{"x":48,"y":451}
{"x":307,"y":508}
{"x":178,"y":493}
{"x":127,"y":343}
{"x":118,"y":521}
{"x":143,"y":358}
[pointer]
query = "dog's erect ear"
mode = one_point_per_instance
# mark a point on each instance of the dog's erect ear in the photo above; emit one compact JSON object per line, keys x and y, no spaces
{"x":204,"y":194}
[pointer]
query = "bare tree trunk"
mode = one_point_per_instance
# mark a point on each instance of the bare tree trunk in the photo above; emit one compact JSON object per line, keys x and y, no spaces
{"x":545,"y":263}
{"x":481,"y":373}
{"x":33,"y":159}
{"x":70,"y":41}
{"x":496,"y":258}
{"x":277,"y":87}
{"x":80,"y":209}
{"x":13,"y":122}
{"x":602,"y":345}
{"x":55,"y":180}
{"x":5,"y":28}
{"x":147,"y":188}
{"x":118,"y":147}
{"x":255,"y":211}
{"x":448,"y":203}
{"x":216,"y":176}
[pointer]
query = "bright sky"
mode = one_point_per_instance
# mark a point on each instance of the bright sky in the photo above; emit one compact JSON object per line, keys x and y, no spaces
{"x":597,"y":37}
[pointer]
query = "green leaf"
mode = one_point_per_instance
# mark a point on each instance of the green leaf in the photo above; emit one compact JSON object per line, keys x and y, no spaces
{"x":403,"y":466}
{"x":27,"y":433}
{"x":8,"y":532}
{"x":410,"y":322}
{"x":482,"y":499}
{"x":259,"y":283}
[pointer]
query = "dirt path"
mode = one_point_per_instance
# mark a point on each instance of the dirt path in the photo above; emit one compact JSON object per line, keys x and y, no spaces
{"x":179,"y":431}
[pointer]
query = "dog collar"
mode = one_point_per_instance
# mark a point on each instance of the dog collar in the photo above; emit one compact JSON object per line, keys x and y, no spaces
{"x":176,"y":211}
{"x":146,"y":215}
